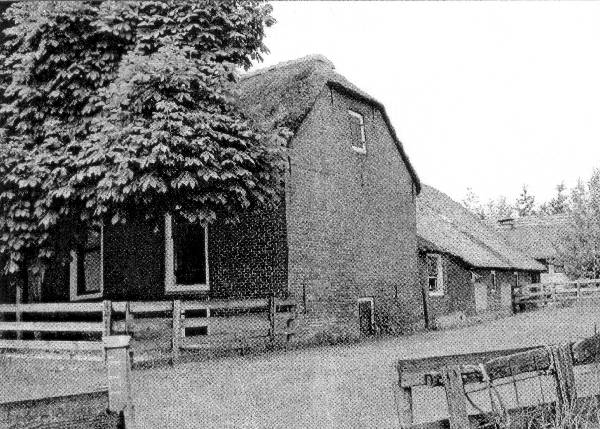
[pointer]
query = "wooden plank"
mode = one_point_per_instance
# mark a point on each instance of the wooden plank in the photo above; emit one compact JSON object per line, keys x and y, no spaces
{"x":405,"y":407}
{"x":416,"y":372}
{"x":195,"y":322}
{"x":176,"y":332}
{"x":51,"y":345}
{"x":455,"y":394}
{"x":66,"y":307}
{"x":140,"y":307}
{"x":52,"y":326}
{"x":247,"y":325}
{"x":565,"y":380}
{"x":246,"y":304}
{"x":586,"y":351}
{"x":107,"y":318}
{"x":272,"y":314}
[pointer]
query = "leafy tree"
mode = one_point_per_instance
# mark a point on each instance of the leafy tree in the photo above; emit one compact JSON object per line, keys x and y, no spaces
{"x":115,"y":109}
{"x":472,"y":203}
{"x":499,"y":208}
{"x":525,"y":204}
{"x":579,"y":251}
{"x":559,"y":203}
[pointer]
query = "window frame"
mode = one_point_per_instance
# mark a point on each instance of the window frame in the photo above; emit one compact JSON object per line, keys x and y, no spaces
{"x":371,"y":301}
{"x":363,"y":133}
{"x":74,"y":293}
{"x":440,"y":287}
{"x":171,"y":285}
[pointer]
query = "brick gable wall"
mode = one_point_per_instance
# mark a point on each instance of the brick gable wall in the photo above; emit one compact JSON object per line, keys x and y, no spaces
{"x":351,"y":223}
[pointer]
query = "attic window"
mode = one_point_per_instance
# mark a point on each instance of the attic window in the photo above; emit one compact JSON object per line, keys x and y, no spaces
{"x":357,"y":131}
{"x":435,"y":275}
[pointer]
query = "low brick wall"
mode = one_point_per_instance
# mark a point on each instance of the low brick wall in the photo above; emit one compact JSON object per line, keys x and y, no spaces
{"x":80,"y":411}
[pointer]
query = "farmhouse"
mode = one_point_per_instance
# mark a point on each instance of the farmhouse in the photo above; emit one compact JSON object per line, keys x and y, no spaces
{"x":342,"y":244}
{"x":466,"y":266}
{"x":539,"y":237}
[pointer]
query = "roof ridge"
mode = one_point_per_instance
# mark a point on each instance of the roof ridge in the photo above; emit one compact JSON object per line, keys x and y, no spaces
{"x":307,"y":58}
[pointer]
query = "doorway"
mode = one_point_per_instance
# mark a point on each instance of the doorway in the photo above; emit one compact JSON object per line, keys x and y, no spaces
{"x":366,"y":316}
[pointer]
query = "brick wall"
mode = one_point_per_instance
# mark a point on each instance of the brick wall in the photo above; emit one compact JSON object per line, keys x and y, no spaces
{"x":249,"y":259}
{"x":459,"y":293}
{"x":351,"y":223}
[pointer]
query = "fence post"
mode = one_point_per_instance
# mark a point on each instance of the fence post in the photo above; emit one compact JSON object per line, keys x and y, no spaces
{"x":405,"y":407}
{"x":176,"y":340}
{"x":455,"y":394}
{"x":118,"y":364}
{"x":566,"y":393}
{"x":107,"y":317}
{"x":272,"y":315}
{"x":18,"y":302}
{"x":128,"y":319}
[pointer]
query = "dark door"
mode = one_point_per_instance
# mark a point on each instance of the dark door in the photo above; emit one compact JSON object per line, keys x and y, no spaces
{"x":365,"y":316}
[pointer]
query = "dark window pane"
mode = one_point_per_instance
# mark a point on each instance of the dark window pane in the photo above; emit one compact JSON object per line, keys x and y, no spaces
{"x":190,"y":254}
{"x":432,"y":284}
{"x":89,"y":271}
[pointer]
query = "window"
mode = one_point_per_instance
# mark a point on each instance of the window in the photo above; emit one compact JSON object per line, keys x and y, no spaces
{"x":86,"y":268}
{"x":186,"y":257}
{"x":435,"y":275}
{"x":357,"y":131}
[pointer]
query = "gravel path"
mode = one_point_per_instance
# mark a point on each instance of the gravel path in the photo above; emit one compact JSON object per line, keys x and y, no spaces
{"x":346,"y":386}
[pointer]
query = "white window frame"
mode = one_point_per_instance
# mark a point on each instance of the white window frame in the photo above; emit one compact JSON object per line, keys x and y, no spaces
{"x":170,"y":284}
{"x":363,"y":137}
{"x":440,"y":289}
{"x":371,"y":301}
{"x":74,"y":294}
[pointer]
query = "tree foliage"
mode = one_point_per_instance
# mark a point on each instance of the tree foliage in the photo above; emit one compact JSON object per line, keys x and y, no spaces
{"x":525,"y":203}
{"x":559,"y":204}
{"x":115,"y":109}
{"x":579,"y":251}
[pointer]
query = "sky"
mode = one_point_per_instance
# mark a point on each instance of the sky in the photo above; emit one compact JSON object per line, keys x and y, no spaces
{"x":486,"y":95}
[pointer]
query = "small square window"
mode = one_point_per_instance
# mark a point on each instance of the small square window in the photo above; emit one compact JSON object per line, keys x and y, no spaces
{"x":435,"y":275}
{"x":357,"y":131}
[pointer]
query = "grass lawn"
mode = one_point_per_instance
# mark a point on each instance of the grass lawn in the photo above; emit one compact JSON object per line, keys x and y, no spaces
{"x":346,"y":386}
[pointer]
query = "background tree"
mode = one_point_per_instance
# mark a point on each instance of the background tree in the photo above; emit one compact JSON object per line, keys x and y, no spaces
{"x":472,"y":203}
{"x":113,"y":110}
{"x":525,"y":203}
{"x":499,"y":208}
{"x":558,"y":204}
{"x":579,"y":251}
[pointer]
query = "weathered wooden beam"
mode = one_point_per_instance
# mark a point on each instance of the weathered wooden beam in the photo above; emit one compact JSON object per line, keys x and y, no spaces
{"x":66,"y":307}
{"x":51,"y":345}
{"x":586,"y":351}
{"x":177,"y":332}
{"x":405,"y":407}
{"x":52,"y":326}
{"x":565,"y":380}
{"x":107,"y":318}
{"x":418,"y":372}
{"x":455,"y":394}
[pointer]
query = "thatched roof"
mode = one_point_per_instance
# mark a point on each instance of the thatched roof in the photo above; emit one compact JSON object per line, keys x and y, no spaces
{"x":537,"y":236}
{"x":284,"y":94}
{"x":452,"y":229}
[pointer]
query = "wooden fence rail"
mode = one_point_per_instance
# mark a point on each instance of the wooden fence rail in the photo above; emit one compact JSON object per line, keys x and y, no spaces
{"x":454,"y":372}
{"x":172,"y":326}
{"x":546,"y":293}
